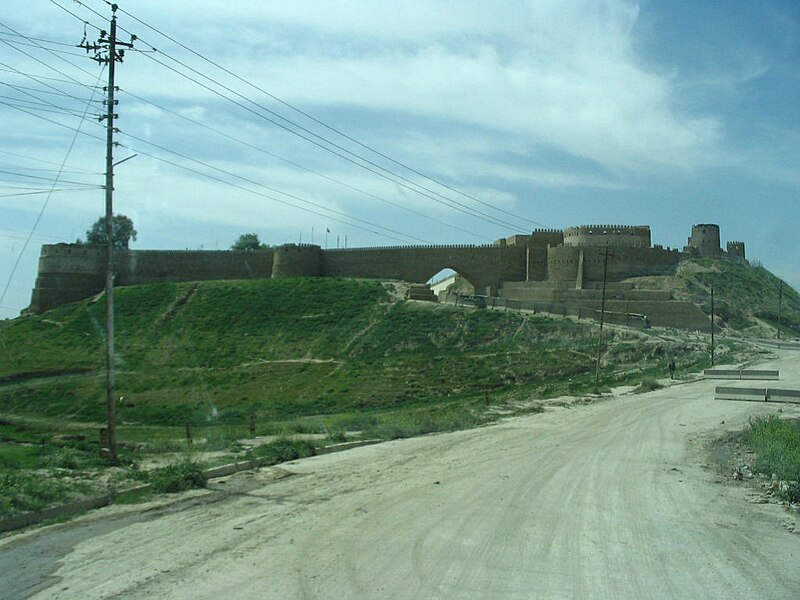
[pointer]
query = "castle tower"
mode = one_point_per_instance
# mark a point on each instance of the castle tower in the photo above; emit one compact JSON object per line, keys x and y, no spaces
{"x":293,"y":260}
{"x":705,"y":240}
{"x":736,"y":250}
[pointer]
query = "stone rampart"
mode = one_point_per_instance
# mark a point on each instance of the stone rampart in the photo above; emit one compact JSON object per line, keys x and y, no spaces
{"x":564,"y":263}
{"x":485,"y":267}
{"x":71,"y":272}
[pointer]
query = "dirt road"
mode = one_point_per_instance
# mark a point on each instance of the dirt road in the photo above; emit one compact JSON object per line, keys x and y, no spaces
{"x":612,"y":500}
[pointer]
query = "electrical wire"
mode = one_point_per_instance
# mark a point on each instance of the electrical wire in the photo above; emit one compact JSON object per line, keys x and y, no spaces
{"x":297,"y":165}
{"x":320,"y":141}
{"x":316,"y":120}
{"x":46,"y":201}
{"x":49,"y":162}
{"x":261,"y":185}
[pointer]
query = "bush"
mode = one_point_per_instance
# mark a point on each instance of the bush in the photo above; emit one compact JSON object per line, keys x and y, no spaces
{"x":793,"y":492}
{"x":178,"y":477}
{"x":284,"y":450}
{"x":647,"y":385}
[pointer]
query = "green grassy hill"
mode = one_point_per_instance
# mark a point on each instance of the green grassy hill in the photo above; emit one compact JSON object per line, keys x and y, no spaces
{"x":745,"y":296}
{"x":325,"y":352}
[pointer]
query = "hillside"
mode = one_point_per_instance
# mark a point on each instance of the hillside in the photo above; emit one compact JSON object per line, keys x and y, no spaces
{"x":745,"y":296}
{"x":217,"y":352}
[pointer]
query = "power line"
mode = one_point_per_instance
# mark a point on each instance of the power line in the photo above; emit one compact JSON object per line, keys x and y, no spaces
{"x":376,"y":171}
{"x":404,"y":182}
{"x":36,"y":78}
{"x":47,"y":179}
{"x":45,"y":203}
{"x":319,"y":122}
{"x":36,"y":39}
{"x":41,"y":107}
{"x":261,"y":185}
{"x":40,"y":91}
{"x":39,"y":160}
{"x":297,"y":165}
{"x":51,"y":191}
{"x":381,"y":171}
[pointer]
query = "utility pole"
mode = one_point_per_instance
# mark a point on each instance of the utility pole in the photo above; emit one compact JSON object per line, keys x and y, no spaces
{"x":712,"y":325}
{"x":780,"y":302}
{"x":106,"y":53}
{"x":605,"y":253}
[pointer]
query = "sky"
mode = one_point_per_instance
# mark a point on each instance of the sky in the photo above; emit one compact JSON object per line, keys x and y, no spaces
{"x":359,"y":124}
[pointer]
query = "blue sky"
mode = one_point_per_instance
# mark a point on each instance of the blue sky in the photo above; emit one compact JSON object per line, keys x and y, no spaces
{"x":551,"y":113}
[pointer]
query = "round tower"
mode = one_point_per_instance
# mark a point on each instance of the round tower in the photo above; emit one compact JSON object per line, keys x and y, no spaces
{"x":705,"y":239}
{"x":297,"y":260}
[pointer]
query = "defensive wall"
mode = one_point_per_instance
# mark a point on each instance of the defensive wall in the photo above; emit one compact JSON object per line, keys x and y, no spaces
{"x":71,"y":272}
{"x":575,"y":258}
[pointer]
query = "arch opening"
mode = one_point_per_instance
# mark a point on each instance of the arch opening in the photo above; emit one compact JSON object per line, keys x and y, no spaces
{"x":450,"y":280}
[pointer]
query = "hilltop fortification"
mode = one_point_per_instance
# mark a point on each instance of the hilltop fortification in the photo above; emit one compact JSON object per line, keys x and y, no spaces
{"x":519,"y":265}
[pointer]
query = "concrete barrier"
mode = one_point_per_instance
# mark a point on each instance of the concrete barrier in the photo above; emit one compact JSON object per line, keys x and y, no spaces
{"x":741,"y":374}
{"x":780,"y":344}
{"x":757,"y":394}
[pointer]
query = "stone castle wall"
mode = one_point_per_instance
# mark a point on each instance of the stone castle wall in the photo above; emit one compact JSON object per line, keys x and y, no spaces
{"x":485,"y":267}
{"x":575,"y":263}
{"x":71,"y":272}
{"x":572,"y":258}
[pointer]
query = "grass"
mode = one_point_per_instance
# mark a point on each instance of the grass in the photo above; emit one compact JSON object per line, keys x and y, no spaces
{"x":28,"y":491}
{"x":743,"y":295}
{"x":185,"y":474}
{"x":283,"y":450}
{"x":776,"y":443}
{"x":287,"y":349}
{"x":318,"y":355}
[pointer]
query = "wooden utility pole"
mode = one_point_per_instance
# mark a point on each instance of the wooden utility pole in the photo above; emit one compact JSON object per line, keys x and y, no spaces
{"x":606,"y":253}
{"x":780,"y":302}
{"x":712,"y":325}
{"x":106,"y":53}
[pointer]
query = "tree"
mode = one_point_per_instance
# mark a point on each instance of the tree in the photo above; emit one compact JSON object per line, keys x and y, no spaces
{"x":248,"y":242}
{"x":122,"y":232}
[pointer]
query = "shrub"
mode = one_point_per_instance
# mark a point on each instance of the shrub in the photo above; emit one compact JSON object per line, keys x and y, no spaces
{"x":647,"y":385}
{"x":283,"y":450}
{"x":178,"y":477}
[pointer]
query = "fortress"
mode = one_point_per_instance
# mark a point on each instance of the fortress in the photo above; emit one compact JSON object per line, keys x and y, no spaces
{"x":554,"y":270}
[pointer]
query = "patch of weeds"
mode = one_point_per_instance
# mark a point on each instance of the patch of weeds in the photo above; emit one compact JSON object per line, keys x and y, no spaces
{"x":26,"y":491}
{"x":776,"y":444}
{"x":221,"y":439}
{"x":164,"y":446}
{"x":284,"y":450}
{"x":64,"y":458}
{"x":178,"y":477}
{"x":649,"y":384}
{"x":134,"y":496}
{"x":338,"y":437}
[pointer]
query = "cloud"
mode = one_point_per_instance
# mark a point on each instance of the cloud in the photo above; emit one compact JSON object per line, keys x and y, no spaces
{"x":564,"y":76}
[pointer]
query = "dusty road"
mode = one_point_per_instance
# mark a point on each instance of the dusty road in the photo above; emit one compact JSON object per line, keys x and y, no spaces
{"x":612,"y":500}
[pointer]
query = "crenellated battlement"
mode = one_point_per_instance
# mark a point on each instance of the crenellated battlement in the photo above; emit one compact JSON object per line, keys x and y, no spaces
{"x":633,"y":236}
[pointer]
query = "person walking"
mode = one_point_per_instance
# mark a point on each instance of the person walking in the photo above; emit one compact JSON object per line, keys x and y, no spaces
{"x":671,"y":367}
